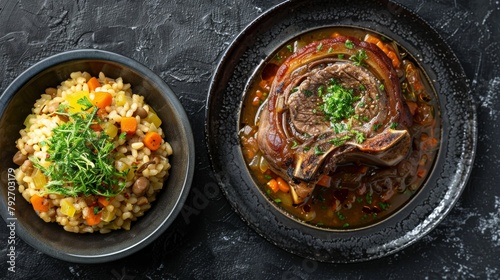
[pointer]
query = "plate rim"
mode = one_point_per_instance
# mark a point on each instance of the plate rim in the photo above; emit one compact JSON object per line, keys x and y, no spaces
{"x":233,"y":47}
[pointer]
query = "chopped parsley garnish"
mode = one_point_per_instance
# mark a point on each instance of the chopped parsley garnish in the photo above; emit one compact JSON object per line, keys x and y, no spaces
{"x":383,"y":205}
{"x":361,"y":104}
{"x":381,"y":87}
{"x":349,"y":44}
{"x":294,"y":145}
{"x":339,"y":141}
{"x":362,"y":87}
{"x":277,"y":200}
{"x":320,"y":46}
{"x":345,"y":225}
{"x":290,"y":48}
{"x":318,"y":151}
{"x":360,"y":136}
{"x":338,"y":102}
{"x":341,"y":55}
{"x":394,"y":125}
{"x":321,"y":91}
{"x":376,"y":126}
{"x":368,"y":198}
{"x":295,"y":89}
{"x":268,"y":177}
{"x":359,"y":57}
{"x":340,"y":215}
{"x":307,"y":148}
{"x":330,"y":50}
{"x":80,"y":159}
{"x":339,"y":127}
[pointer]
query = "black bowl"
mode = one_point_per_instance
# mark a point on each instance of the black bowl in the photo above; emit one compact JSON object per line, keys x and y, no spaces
{"x":50,"y":238}
{"x":426,"y":209}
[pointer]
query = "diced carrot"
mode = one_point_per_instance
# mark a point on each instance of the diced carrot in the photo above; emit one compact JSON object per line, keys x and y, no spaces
{"x":128,"y":125}
{"x":92,"y":219}
{"x":40,"y":203}
{"x":324,"y":181}
{"x":93,"y":83}
{"x":152,"y":140}
{"x":273,"y":185}
{"x":282,"y":185}
{"x":102,"y":99}
{"x":412,"y":106}
{"x":104,"y":200}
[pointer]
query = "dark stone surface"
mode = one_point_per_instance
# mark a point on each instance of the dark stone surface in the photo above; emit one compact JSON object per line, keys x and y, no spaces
{"x":182,"y":42}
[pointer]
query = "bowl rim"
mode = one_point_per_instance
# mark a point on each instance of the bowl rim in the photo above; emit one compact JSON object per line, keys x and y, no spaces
{"x":104,"y":56}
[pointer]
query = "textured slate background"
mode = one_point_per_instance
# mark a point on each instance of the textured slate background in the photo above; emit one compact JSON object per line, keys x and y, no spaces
{"x":182,"y":41}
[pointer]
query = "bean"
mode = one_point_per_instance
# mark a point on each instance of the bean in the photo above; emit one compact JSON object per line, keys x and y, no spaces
{"x":140,"y":186}
{"x":29,"y":149}
{"x":19,"y":158}
{"x":141,"y":112}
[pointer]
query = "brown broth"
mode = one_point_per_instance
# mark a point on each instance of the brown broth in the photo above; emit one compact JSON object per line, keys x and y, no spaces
{"x":357,"y":195}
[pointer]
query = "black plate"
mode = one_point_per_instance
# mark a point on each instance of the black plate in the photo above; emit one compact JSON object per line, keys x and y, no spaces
{"x":446,"y":181}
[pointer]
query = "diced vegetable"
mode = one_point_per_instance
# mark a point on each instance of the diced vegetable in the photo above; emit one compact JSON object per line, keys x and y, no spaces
{"x":67,"y":208}
{"x":273,"y":185}
{"x":93,"y":83}
{"x":92,"y":219}
{"x":128,"y":125}
{"x":120,"y":99}
{"x":102,"y":99}
{"x":153,"y":118}
{"x":73,"y":98}
{"x":282,"y":185}
{"x":324,"y":181}
{"x":108,"y":216}
{"x":103,"y":200}
{"x":39,"y":203}
{"x":110,"y":129}
{"x":152,"y":140}
{"x":39,"y":179}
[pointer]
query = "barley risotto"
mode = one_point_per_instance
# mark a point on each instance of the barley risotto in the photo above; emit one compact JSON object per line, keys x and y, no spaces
{"x":92,"y":155}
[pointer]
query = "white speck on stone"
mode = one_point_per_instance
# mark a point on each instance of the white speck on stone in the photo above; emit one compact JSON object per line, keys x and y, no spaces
{"x":489,"y":100}
{"x":491,"y":224}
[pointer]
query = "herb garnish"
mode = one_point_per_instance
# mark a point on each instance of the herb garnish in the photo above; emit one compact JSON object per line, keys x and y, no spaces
{"x":80,"y":158}
{"x":349,"y":44}
{"x":338,"y":102}
{"x":359,"y":57}
{"x":318,"y":151}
